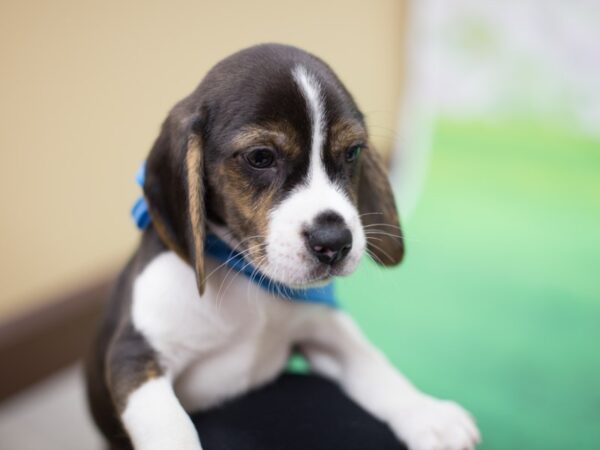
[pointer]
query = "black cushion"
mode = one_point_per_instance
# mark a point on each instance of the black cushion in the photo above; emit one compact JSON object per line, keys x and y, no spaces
{"x":295,"y":412}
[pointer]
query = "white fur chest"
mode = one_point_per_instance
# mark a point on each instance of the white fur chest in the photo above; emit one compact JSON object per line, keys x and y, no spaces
{"x":234,"y":337}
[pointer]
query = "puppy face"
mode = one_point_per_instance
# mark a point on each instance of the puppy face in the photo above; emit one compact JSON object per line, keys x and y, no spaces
{"x":272,"y":154}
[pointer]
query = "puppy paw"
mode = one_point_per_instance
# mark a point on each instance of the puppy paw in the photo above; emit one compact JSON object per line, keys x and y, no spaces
{"x":431,"y":424}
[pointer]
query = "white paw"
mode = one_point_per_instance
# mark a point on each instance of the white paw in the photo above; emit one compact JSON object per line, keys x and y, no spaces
{"x":431,"y":424}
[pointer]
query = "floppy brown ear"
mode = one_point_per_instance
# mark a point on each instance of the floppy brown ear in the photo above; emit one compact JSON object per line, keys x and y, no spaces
{"x":174,"y":189}
{"x":378,"y":210}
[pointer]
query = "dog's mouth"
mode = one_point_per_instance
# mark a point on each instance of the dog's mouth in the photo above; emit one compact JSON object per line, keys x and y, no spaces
{"x":316,"y":277}
{"x":307,"y":274}
{"x":290,"y":262}
{"x":320,"y":275}
{"x":323,"y":273}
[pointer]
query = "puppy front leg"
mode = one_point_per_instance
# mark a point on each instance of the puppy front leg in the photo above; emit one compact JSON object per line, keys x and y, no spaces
{"x":335,"y":347}
{"x":145,"y":401}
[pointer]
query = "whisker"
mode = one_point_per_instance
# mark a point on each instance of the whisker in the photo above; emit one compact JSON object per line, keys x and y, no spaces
{"x":378,"y":265}
{"x":240,"y":254}
{"x":374,"y":257}
{"x":229,"y":272}
{"x":381,"y":250}
{"x":371,"y":237}
{"x":381,"y":225}
{"x":370,"y":214}
{"x":383,"y":233}
{"x":233,"y":256}
{"x":369,"y":231}
{"x":254,"y":273}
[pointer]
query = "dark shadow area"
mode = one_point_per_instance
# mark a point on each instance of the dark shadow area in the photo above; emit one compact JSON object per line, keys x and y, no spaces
{"x":296,"y":412}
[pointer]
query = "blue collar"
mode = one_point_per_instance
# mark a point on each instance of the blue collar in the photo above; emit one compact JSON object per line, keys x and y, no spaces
{"x":219,"y":250}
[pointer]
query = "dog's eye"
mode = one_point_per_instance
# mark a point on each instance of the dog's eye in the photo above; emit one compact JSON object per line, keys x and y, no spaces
{"x":353,"y":152}
{"x":260,"y":158}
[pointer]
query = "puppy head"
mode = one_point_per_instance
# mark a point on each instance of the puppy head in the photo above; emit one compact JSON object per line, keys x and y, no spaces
{"x":272,"y":154}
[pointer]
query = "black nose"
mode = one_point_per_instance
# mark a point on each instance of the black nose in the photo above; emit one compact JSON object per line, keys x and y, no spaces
{"x":329,"y":240}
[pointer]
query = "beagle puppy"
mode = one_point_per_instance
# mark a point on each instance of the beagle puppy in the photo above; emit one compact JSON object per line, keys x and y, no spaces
{"x":270,"y":157}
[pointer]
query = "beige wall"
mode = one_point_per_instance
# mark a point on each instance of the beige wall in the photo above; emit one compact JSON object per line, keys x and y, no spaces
{"x":84,"y":86}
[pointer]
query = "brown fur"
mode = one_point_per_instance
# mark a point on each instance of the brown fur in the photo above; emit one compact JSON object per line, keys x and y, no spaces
{"x":194,"y":170}
{"x":247,"y":214}
{"x":378,"y":211}
{"x":346,"y":133}
{"x":280,"y":135}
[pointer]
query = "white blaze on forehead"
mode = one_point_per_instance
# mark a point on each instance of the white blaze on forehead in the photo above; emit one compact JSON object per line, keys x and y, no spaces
{"x":288,"y":258}
{"x":311,"y":90}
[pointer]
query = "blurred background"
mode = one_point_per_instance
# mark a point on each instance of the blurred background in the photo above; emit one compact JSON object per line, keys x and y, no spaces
{"x":488,"y":113}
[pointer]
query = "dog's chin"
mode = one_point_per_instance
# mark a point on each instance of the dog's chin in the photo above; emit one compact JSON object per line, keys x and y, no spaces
{"x":319,"y":276}
{"x":309,"y":275}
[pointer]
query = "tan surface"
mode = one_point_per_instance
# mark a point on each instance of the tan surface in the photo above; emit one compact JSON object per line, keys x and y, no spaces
{"x":85,"y":85}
